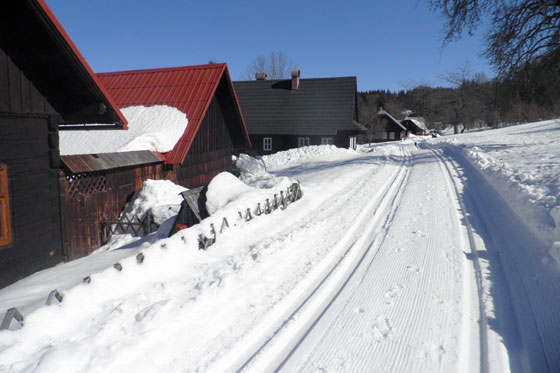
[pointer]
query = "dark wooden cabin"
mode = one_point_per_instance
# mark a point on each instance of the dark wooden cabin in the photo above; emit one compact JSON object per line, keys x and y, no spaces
{"x":285,"y":114}
{"x":415,"y":125}
{"x":97,"y":185}
{"x":385,"y":127}
{"x":45,"y":84}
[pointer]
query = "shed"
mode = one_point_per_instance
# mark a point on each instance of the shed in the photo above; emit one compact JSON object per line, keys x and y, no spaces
{"x":98,"y":185}
{"x":45,"y":85}
{"x":284,"y":114}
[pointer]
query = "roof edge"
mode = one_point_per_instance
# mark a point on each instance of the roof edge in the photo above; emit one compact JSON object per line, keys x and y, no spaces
{"x":238,"y":106}
{"x":51,"y":17}
{"x":162,"y":69}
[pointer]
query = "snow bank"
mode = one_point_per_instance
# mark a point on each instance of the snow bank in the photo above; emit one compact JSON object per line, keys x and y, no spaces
{"x":521,"y":162}
{"x":154,"y":128}
{"x":295,"y":156}
{"x":253,"y":172}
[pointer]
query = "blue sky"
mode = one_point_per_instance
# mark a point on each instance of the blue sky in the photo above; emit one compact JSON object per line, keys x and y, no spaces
{"x":386,"y":44}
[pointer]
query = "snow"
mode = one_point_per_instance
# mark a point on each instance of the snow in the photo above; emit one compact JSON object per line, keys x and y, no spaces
{"x":521,"y":162}
{"x":437,"y":257}
{"x":155,"y":128}
{"x":419,"y":122}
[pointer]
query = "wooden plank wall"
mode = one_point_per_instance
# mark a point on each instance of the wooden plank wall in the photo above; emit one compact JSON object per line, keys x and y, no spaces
{"x":27,"y":120}
{"x":100,"y":193}
{"x":33,"y":191}
{"x":17,"y":93}
{"x":212,"y":147}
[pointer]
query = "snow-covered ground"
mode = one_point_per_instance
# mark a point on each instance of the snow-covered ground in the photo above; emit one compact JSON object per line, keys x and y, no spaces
{"x":436,"y":257}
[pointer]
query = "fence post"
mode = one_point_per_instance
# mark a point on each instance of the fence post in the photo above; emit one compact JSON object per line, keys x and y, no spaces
{"x":12,"y":313}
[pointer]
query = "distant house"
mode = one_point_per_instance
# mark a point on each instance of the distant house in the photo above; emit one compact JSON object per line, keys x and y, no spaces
{"x":284,"y":114}
{"x":45,"y":85}
{"x":386,"y":128}
{"x":97,"y":185}
{"x":415,"y":126}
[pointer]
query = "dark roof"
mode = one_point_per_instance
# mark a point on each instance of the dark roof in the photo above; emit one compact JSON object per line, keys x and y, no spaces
{"x":391,"y":118}
{"x":415,"y":124}
{"x":105,"y":161}
{"x":189,"y":89}
{"x":319,"y":107}
{"x":38,"y":45}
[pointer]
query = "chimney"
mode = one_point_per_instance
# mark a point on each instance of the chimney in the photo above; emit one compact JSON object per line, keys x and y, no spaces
{"x":295,"y":79}
{"x":261,"y":76}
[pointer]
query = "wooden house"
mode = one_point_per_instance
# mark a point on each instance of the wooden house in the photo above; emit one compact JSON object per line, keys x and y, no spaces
{"x":45,"y":85}
{"x":415,"y":125}
{"x":386,"y":128}
{"x":96,"y":186}
{"x":284,"y":114}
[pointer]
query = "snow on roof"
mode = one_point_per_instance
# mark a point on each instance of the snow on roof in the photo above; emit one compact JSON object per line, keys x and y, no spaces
{"x":418,"y":121}
{"x":155,"y":128}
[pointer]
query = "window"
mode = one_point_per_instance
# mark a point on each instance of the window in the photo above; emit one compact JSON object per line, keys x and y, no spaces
{"x":5,"y":225}
{"x":267,"y":143}
{"x":352,"y":142}
{"x":303,"y":141}
{"x":326,"y":140}
{"x":391,"y":135}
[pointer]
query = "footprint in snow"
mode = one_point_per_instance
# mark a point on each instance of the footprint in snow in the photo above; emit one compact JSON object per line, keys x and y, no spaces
{"x":392,"y":293}
{"x":381,"y":329}
{"x":431,"y":351}
{"x":412,"y":268}
{"x":359,"y":310}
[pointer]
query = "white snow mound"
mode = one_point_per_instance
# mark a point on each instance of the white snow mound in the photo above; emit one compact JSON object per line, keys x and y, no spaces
{"x":295,"y":156}
{"x":155,"y":128}
{"x":161,"y":197}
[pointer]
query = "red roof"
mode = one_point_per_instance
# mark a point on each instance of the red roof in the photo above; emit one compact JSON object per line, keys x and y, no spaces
{"x":82,"y":62}
{"x":189,"y":89}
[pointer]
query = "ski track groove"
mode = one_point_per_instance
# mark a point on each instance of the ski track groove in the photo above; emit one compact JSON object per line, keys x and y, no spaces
{"x":392,"y":337}
{"x":239,"y":358}
{"x":388,"y":192}
{"x":483,"y":324}
{"x":376,"y":243}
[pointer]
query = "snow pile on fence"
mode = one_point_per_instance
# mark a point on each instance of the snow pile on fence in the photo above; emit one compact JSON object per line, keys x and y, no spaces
{"x":155,"y":128}
{"x":162,"y":198}
{"x":522,"y":164}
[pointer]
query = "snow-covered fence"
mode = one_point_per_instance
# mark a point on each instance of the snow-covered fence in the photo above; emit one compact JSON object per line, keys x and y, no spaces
{"x":127,"y":224}
{"x":278,"y":201}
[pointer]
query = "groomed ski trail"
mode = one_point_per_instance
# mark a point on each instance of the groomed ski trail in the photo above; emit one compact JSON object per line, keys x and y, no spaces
{"x":409,"y":304}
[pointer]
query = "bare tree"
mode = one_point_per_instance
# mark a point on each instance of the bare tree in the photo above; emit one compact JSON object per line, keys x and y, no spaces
{"x":276,"y":65}
{"x":520,"y":31}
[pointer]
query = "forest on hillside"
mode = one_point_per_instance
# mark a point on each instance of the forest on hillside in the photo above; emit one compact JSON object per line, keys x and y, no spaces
{"x":522,"y":44}
{"x":525,"y":95}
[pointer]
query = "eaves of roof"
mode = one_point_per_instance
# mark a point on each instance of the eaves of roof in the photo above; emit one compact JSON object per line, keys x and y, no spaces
{"x":39,"y":46}
{"x":82,"y":163}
